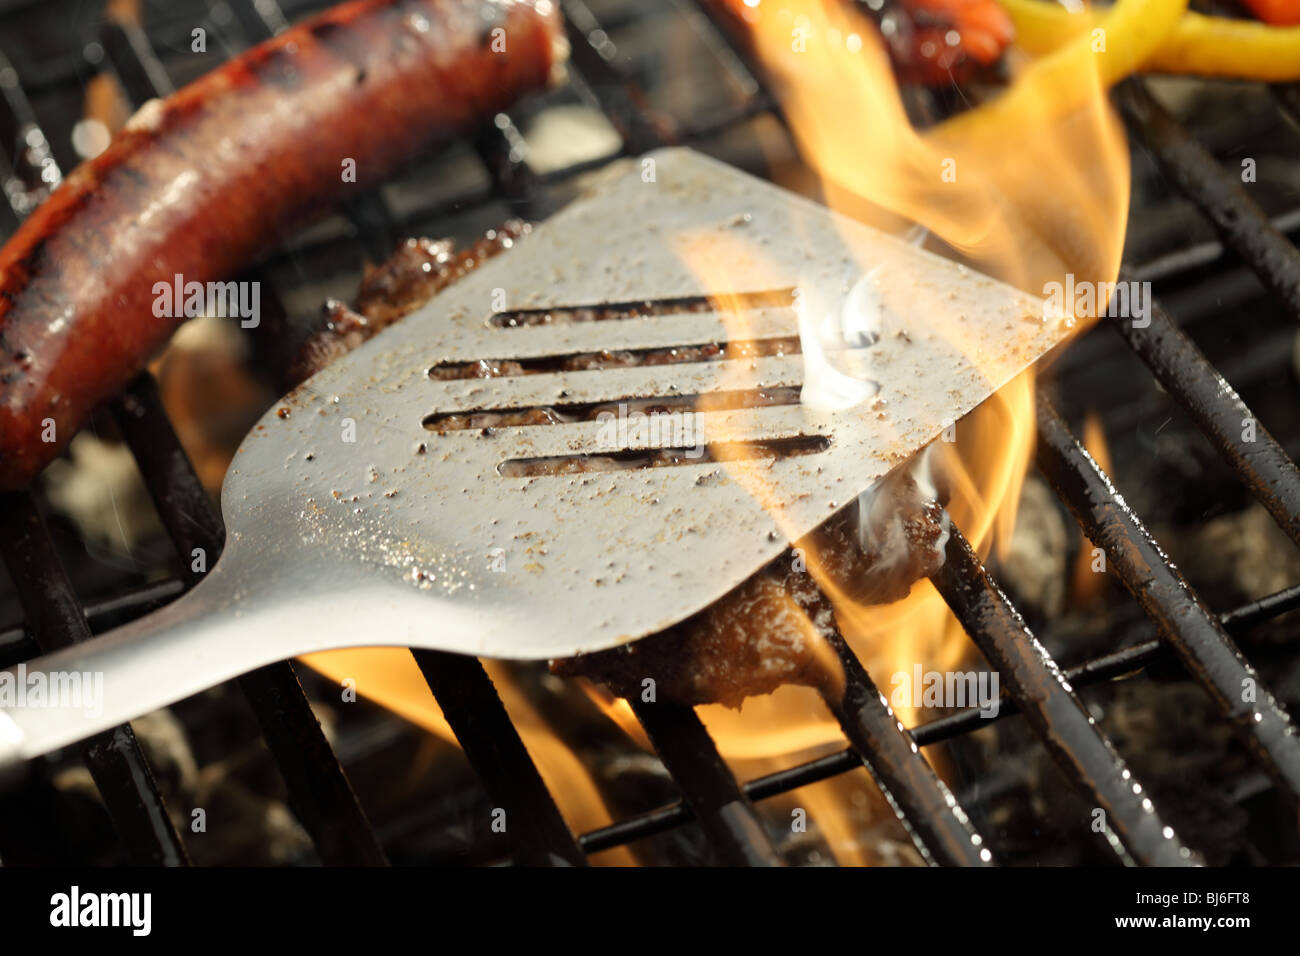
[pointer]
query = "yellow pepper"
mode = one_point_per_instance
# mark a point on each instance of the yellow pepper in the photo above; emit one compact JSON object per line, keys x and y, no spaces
{"x":1200,"y":45}
{"x":1071,"y":69}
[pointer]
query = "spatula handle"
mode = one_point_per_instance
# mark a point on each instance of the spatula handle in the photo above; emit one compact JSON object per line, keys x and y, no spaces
{"x":186,"y":647}
{"x":230,"y":624}
{"x":253,"y":608}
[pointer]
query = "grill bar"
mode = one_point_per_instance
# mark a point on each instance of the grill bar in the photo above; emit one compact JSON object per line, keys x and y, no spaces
{"x":114,"y":758}
{"x":493,"y":747}
{"x":724,"y":814}
{"x":16,"y":643}
{"x":1244,"y":227}
{"x":1056,"y":715}
{"x":592,"y":54}
{"x":937,"y":824}
{"x":1220,"y":414}
{"x":503,"y":151}
{"x":743,"y":61}
{"x":1288,"y":100}
{"x":1181,"y":618}
{"x":138,"y":68}
{"x":319,"y":791}
{"x":259,"y":19}
{"x":32,"y":171}
{"x":681,"y":740}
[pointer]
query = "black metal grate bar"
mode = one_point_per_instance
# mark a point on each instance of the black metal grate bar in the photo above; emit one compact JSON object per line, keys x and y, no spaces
{"x":16,"y":643}
{"x":1055,"y":714}
{"x":716,"y":800}
{"x":592,"y":53}
{"x":113,"y":757}
{"x":742,"y":60}
{"x":938,"y":825}
{"x":259,"y":19}
{"x":702,"y":17}
{"x":319,"y":791}
{"x":1288,"y":100}
{"x":1243,"y":226}
{"x":138,"y":69}
{"x":33,"y":171}
{"x":1193,"y":632}
{"x":504,"y":152}
{"x":532,"y":822}
{"x":369,"y":214}
{"x":1220,"y":414}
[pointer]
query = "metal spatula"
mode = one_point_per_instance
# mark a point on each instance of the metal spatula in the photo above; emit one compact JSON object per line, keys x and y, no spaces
{"x":390,"y":502}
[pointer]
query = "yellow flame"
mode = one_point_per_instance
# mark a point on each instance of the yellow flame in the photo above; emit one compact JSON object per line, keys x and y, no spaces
{"x":1086,"y":585}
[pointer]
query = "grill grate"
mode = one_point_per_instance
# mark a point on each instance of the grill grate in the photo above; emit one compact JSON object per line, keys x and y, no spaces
{"x":1041,"y":692}
{"x":113,"y":757}
{"x":1038,"y":689}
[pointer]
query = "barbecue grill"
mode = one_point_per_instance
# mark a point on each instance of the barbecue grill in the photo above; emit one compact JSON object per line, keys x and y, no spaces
{"x":39,"y":103}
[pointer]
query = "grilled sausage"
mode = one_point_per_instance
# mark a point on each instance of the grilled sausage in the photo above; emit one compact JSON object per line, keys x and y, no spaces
{"x":199,"y":184}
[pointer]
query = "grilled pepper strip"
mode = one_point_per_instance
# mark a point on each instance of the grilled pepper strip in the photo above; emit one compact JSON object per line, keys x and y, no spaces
{"x":1134,"y":30}
{"x":1200,"y":45}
